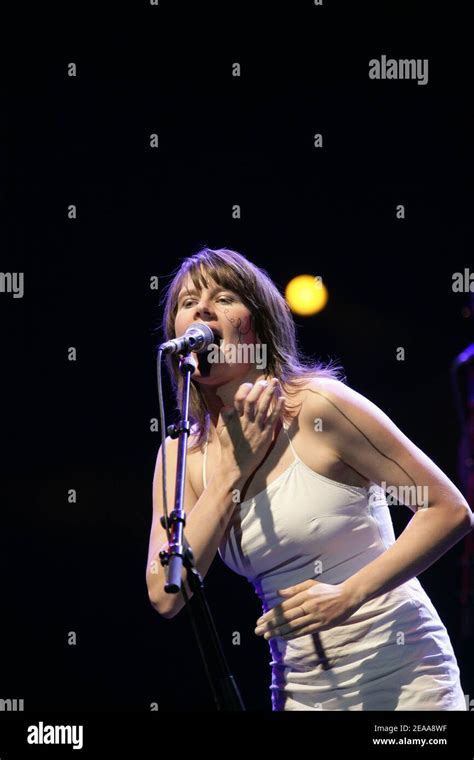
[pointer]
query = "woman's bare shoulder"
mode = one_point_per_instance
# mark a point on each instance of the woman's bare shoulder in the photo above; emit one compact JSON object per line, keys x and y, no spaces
{"x":307,"y":388}
{"x":302,"y":395}
{"x":320,"y":393}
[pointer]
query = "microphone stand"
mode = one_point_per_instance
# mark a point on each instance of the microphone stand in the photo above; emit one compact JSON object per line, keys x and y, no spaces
{"x":224,"y":689}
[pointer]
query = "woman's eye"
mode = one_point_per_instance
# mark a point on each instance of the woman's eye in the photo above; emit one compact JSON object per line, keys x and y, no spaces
{"x":191,"y":300}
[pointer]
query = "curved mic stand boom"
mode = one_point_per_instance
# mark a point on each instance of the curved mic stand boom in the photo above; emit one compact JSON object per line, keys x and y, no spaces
{"x":224,"y":689}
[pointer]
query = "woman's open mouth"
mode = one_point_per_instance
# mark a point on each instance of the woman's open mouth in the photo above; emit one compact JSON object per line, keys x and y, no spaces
{"x":218,"y":337}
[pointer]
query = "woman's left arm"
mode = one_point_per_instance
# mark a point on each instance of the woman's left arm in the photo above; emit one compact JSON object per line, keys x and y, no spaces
{"x":367,"y":440}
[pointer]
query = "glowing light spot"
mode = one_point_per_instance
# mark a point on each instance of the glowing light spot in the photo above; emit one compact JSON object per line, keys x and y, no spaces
{"x":306,"y":294}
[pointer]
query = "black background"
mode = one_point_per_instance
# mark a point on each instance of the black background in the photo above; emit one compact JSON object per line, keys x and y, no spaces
{"x":331,"y":212}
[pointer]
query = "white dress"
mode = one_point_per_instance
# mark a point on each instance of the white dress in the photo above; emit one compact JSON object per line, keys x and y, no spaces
{"x":393,"y":653}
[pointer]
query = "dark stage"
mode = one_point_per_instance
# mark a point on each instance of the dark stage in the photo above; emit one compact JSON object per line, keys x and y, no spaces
{"x":129,"y":148}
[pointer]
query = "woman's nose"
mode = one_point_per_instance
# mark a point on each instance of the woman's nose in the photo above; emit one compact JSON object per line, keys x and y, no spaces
{"x":202,"y":308}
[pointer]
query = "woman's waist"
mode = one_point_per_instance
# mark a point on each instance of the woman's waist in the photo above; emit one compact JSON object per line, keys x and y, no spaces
{"x":403,"y":613}
{"x":400,"y":623}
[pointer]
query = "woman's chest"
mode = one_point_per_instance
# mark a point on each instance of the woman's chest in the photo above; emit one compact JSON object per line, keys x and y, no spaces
{"x":315,"y":454}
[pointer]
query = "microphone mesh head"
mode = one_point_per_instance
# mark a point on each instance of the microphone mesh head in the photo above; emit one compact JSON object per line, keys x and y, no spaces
{"x":210,"y":335}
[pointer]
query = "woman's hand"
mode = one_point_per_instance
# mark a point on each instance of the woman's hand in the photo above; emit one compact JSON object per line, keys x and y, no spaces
{"x":310,"y":606}
{"x":245,"y":430}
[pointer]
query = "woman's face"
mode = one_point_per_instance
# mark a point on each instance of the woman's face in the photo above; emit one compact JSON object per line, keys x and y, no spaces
{"x":225,"y":313}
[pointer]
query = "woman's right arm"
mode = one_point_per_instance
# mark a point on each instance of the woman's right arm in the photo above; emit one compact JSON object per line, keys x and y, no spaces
{"x":245,"y":432}
{"x":206,"y":521}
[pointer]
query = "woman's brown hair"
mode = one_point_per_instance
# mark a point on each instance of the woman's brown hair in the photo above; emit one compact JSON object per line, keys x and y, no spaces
{"x":272,"y":320}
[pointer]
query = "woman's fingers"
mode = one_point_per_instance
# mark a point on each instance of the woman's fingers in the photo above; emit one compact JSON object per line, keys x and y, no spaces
{"x":252,"y":398}
{"x":240,"y":396}
{"x":270,"y":396}
{"x":246,"y":443}
{"x":276,"y":411}
{"x":255,"y":400}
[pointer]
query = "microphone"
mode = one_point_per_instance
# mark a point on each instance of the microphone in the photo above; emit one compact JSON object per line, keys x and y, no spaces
{"x":197,"y":338}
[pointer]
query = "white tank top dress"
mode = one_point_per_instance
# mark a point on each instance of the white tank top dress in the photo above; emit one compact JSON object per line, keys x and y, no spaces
{"x":393,"y":653}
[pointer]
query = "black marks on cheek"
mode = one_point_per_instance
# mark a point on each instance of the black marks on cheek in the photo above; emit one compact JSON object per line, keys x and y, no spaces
{"x":245,"y":326}
{"x":241,"y":326}
{"x":233,"y":320}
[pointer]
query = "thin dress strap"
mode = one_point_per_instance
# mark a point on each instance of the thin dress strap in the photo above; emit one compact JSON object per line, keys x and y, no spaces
{"x":285,"y":428}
